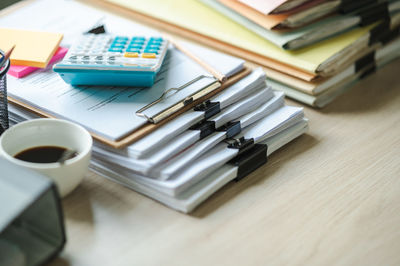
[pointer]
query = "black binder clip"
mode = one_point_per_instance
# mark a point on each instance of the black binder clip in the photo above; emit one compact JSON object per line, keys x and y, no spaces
{"x":4,"y":123}
{"x":390,"y":36}
{"x":379,"y":32}
{"x":366,"y":64}
{"x":348,"y":6}
{"x":206,"y":128}
{"x":376,"y":12}
{"x":231,"y":128}
{"x":250,"y":157}
{"x":209,"y":108}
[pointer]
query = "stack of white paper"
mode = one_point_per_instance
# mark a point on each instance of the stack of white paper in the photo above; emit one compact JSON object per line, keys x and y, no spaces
{"x":185,"y":160}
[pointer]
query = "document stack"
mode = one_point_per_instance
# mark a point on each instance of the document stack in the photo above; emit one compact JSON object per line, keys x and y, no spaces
{"x":187,"y":156}
{"x":313,"y":50}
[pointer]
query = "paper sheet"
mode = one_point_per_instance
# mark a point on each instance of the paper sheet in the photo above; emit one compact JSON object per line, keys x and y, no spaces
{"x":180,"y":142}
{"x":295,"y":38}
{"x":219,"y":155}
{"x":106,"y":111}
{"x":245,"y":86}
{"x":191,"y":198}
{"x":264,"y":7}
{"x":199,"y":18}
{"x":252,"y":102}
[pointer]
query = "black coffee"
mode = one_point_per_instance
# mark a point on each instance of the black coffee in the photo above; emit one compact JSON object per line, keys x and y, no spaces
{"x":42,"y":154}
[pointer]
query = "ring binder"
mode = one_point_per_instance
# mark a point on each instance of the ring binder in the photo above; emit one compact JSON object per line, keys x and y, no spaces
{"x":188,"y":100}
{"x":250,"y":156}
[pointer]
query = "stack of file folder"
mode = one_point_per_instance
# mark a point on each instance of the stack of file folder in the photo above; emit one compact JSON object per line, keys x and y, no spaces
{"x":312,"y":50}
{"x":186,"y":157}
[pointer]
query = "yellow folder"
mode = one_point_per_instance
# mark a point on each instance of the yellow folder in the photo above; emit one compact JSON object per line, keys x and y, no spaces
{"x":203,"y":21}
{"x":32,"y":48}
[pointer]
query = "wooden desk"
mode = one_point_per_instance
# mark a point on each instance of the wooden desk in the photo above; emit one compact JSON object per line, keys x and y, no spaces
{"x":330,"y":197}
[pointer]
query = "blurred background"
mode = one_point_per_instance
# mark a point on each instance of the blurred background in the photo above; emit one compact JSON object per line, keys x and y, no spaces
{"x":4,"y":3}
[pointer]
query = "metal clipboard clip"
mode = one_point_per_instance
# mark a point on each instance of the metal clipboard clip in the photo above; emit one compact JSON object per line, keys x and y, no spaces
{"x":181,"y":104}
{"x":218,"y":78}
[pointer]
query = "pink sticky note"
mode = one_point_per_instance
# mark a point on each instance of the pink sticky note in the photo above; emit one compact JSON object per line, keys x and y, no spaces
{"x":22,"y":71}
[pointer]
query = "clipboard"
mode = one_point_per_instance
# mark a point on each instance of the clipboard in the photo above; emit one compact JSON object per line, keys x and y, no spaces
{"x":200,"y":97}
{"x":148,"y":127}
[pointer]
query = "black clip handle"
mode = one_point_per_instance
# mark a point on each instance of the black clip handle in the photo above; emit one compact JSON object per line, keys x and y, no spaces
{"x":241,"y":144}
{"x":379,"y":32}
{"x":231,"y":128}
{"x":4,"y":123}
{"x":209,"y":108}
{"x":374,"y":13}
{"x":347,"y":6}
{"x":366,"y":64}
{"x":250,"y":156}
{"x":206,"y":128}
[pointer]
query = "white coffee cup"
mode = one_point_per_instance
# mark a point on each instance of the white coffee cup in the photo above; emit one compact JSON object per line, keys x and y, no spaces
{"x":50,"y":132}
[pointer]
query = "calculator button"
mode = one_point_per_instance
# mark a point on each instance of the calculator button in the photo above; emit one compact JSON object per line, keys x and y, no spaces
{"x":140,"y":42}
{"x":150,"y":51}
{"x":154,"y":43}
{"x":149,"y":55}
{"x":116,"y":50}
{"x":133,"y":50}
{"x":128,"y":54}
{"x":117,"y":45}
{"x":152,"y":46}
{"x":135,"y":46}
{"x":121,"y":38}
{"x":139,"y":38}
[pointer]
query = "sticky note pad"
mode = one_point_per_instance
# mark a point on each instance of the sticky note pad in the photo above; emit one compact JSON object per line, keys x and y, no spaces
{"x":32,"y":48}
{"x":22,"y":71}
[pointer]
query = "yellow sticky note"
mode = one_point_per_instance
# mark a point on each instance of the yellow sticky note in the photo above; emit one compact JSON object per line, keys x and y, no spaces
{"x":32,"y":48}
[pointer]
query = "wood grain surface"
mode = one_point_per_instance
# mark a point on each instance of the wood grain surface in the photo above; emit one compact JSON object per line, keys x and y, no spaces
{"x":331,"y":197}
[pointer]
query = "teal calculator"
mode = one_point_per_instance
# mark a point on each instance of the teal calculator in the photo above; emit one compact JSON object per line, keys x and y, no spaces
{"x":102,"y":59}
